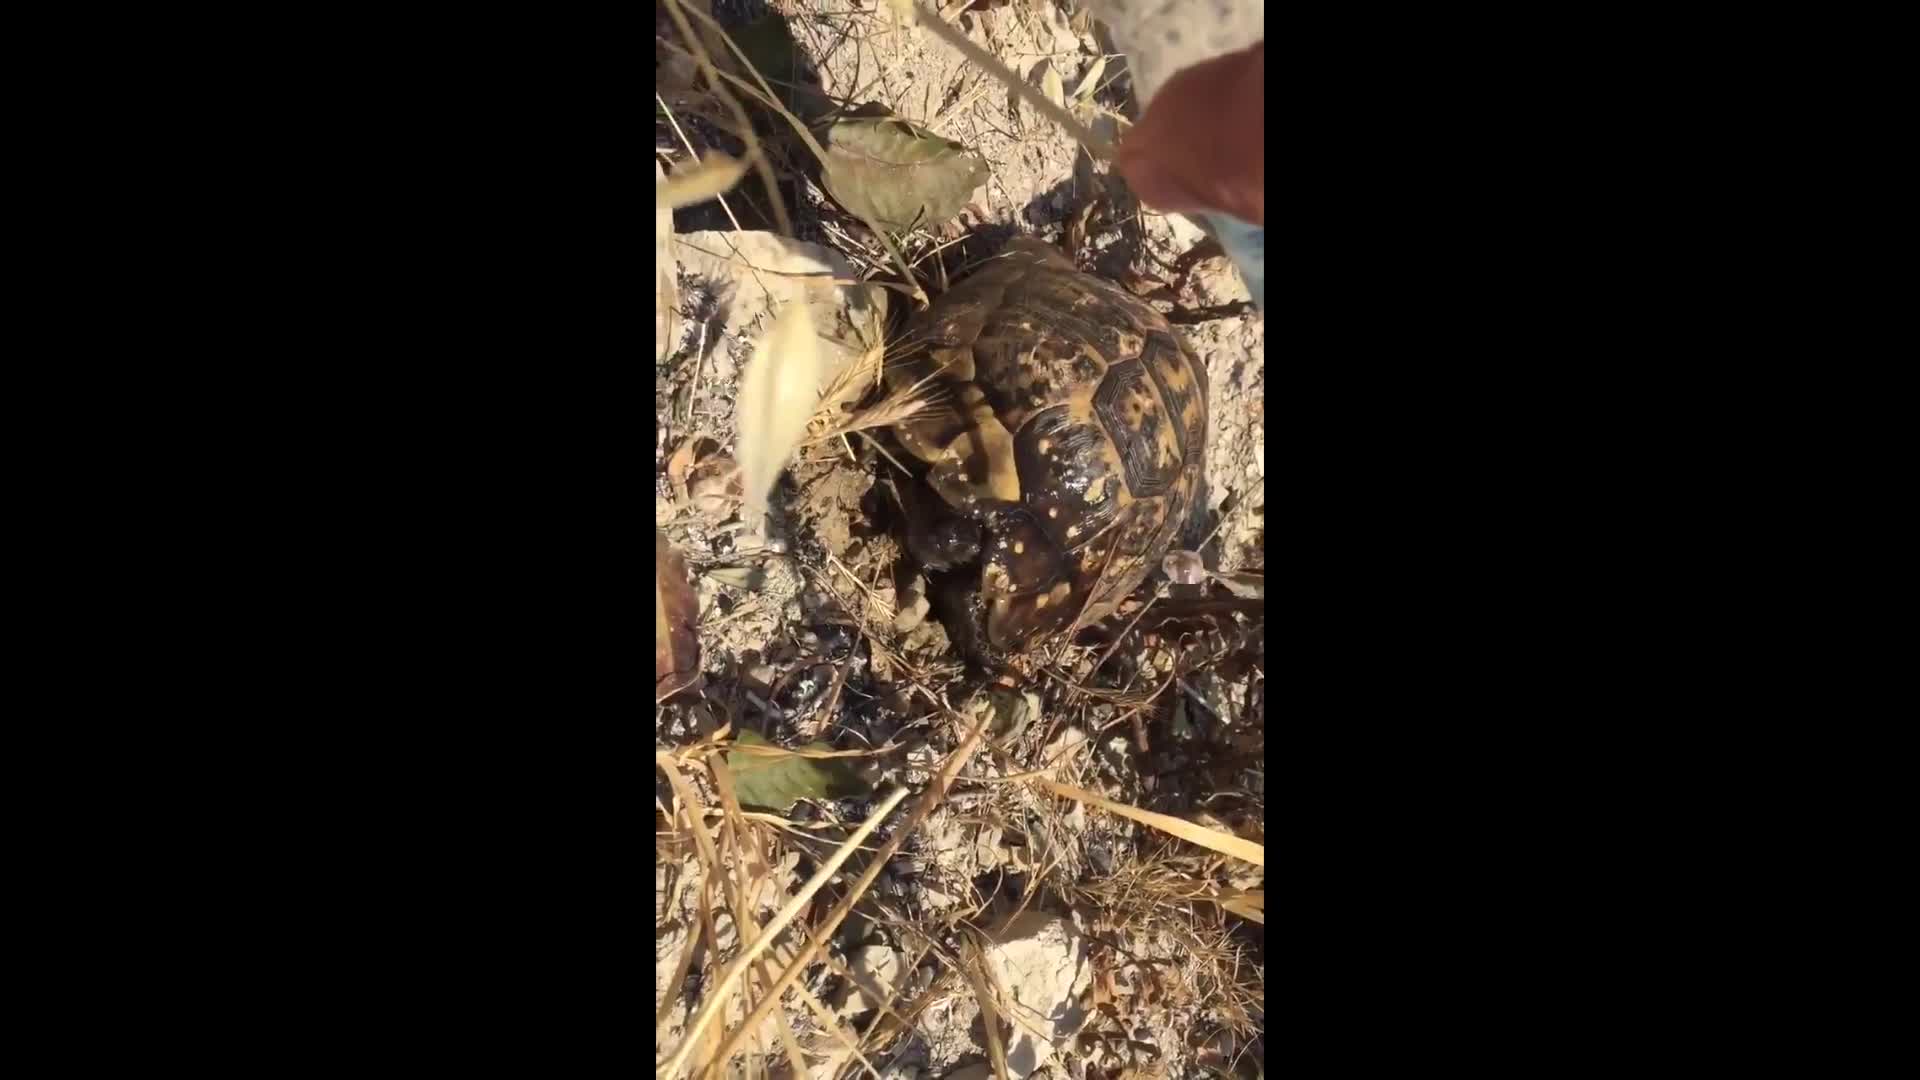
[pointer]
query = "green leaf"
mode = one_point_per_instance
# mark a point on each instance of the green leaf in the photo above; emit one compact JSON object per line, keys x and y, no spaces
{"x":899,"y":175}
{"x":775,"y":781}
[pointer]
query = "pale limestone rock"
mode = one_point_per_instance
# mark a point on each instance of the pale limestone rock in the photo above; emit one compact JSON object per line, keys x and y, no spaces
{"x":1040,"y":962}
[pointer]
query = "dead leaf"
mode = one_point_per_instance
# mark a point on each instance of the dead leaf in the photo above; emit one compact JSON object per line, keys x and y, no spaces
{"x":676,"y":650}
{"x":1244,"y":584}
{"x":680,"y":464}
{"x":1091,"y":80}
{"x":774,"y":779}
{"x":899,"y":174}
{"x":778,"y":393}
{"x":714,"y":175}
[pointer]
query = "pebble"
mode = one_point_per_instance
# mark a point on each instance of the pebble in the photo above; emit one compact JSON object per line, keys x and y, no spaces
{"x":1184,"y":568}
{"x":1040,"y":959}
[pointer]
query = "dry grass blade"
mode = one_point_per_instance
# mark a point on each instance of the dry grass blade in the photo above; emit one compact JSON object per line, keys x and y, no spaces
{"x":851,"y":382}
{"x":734,"y":970}
{"x":680,"y":968}
{"x":711,"y":870}
{"x":1091,"y":80}
{"x":1098,"y":147}
{"x":740,"y":118}
{"x":936,"y":791}
{"x":683,"y":791}
{"x":777,"y":396}
{"x":888,"y":411}
{"x":981,"y":978}
{"x":746,"y":841}
{"x":772,"y":101}
{"x":714,"y":175}
{"x":754,"y":749}
{"x":895,"y":407}
{"x":666,"y":285}
{"x":708,"y":1046}
{"x":1248,"y":905}
{"x":1212,"y":840}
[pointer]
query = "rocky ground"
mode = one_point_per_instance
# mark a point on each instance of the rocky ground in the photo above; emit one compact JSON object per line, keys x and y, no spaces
{"x":1008,"y":928}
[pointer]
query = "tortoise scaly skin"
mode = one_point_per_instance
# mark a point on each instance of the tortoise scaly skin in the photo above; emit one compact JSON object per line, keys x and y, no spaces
{"x":1071,"y":428}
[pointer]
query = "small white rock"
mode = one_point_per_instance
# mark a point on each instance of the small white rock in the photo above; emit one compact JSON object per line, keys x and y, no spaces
{"x":879,"y":965}
{"x":1184,"y":568}
{"x":1040,"y":961}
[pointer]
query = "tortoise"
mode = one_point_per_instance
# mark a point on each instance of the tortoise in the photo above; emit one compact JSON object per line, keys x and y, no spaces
{"x":1065,"y":449}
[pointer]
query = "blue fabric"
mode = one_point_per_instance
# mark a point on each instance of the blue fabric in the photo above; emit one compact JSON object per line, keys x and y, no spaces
{"x":1246,"y":245}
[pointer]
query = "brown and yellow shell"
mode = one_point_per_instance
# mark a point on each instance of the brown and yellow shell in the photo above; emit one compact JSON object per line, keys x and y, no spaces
{"x":1072,"y":423}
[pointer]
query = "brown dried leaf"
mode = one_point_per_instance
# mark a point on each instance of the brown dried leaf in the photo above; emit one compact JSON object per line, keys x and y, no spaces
{"x":778,"y":393}
{"x":897,"y":173}
{"x":679,"y":464}
{"x":676,"y":650}
{"x":1091,"y":80}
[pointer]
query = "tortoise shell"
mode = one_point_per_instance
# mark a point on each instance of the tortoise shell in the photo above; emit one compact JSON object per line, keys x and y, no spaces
{"x":1071,"y":424}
